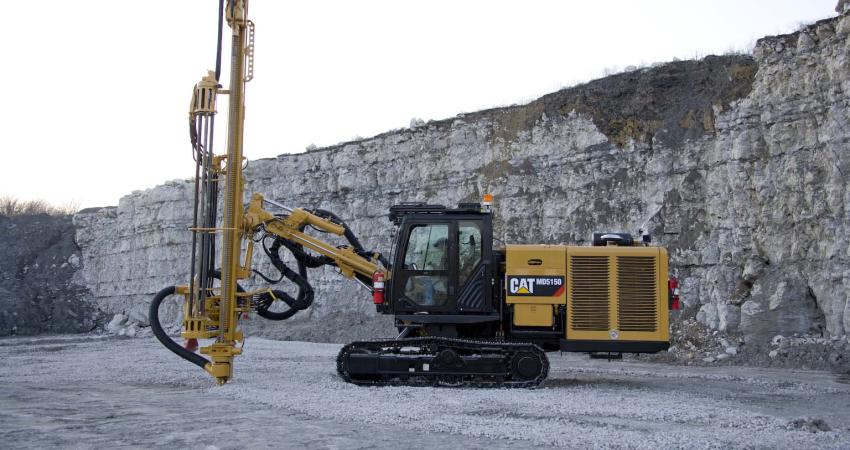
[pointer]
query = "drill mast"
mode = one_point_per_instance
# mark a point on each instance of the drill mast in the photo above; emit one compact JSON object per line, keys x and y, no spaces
{"x":223,"y":351}
{"x":214,"y":301}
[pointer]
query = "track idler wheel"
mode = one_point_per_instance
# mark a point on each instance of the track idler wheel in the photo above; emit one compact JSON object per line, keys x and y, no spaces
{"x":526,"y":366}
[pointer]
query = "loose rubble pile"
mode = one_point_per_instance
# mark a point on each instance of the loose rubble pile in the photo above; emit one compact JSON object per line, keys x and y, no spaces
{"x":121,"y":325}
{"x":810,"y":352}
{"x":38,"y":260}
{"x":812,"y":425}
{"x":693,"y":343}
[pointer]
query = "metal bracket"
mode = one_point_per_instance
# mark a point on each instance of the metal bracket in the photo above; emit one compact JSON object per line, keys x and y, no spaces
{"x":203,"y":96}
{"x":249,"y":54}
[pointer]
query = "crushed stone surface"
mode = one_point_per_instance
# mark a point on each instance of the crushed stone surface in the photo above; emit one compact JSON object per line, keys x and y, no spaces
{"x":98,"y":391}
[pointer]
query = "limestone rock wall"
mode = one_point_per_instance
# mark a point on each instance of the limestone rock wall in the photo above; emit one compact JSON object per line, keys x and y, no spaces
{"x":738,"y":164}
{"x":133,"y":250}
{"x":777,"y":199}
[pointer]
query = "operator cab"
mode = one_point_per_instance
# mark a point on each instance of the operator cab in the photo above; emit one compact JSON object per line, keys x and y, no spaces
{"x":443,"y":272}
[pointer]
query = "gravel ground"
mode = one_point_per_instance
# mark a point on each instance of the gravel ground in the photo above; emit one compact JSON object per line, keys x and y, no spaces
{"x":88,"y":391}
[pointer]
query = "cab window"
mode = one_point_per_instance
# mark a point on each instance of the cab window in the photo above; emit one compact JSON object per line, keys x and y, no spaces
{"x":427,"y":248}
{"x":469,"y":249}
{"x":427,"y":255}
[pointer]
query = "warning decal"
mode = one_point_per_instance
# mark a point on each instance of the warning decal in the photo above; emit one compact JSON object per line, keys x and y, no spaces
{"x":537,"y":286}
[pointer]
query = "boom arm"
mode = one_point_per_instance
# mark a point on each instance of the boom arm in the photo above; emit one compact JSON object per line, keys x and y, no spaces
{"x":291,"y":227}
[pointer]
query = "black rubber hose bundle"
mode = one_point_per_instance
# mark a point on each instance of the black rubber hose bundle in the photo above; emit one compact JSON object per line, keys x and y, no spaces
{"x":305,"y":291}
{"x":307,"y":259}
{"x":304,"y":260}
{"x":350,"y":236}
{"x":163,"y":337}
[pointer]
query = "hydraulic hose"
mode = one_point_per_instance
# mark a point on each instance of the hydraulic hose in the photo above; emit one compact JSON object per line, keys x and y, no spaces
{"x":305,"y":291}
{"x":163,"y":337}
{"x":218,"y":44}
{"x":305,"y":258}
{"x":350,"y":236}
{"x":305,"y":295}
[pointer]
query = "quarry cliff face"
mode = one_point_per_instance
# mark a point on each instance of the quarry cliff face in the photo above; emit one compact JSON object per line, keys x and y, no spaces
{"x":738,"y":164}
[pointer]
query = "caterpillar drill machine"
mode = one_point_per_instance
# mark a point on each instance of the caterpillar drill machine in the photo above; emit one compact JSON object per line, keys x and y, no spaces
{"x":468,"y":314}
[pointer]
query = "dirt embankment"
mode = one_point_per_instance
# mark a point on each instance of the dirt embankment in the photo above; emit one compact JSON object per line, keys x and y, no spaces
{"x":38,"y":257}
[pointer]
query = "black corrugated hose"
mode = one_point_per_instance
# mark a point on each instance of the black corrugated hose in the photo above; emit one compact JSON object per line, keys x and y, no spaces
{"x":163,"y":337}
{"x":304,"y":260}
{"x":305,"y":291}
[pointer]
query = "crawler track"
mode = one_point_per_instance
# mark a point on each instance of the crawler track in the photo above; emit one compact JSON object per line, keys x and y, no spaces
{"x":435,"y":361}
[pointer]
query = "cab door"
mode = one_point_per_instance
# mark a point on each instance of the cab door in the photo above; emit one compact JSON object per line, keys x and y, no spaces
{"x":474,"y":271}
{"x":443,"y":266}
{"x":422,"y":275}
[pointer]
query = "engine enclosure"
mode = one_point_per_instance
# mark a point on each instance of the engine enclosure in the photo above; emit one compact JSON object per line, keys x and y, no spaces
{"x":599,"y":298}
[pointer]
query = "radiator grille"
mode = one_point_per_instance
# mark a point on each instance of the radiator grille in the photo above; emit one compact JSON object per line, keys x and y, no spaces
{"x":636,"y":293}
{"x":589,"y":293}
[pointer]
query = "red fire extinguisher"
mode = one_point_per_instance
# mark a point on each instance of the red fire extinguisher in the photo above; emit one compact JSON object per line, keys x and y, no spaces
{"x":673,"y":286}
{"x":378,"y":288}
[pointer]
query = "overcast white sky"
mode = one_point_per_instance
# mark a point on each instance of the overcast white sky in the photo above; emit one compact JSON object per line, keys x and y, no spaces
{"x":96,"y":92}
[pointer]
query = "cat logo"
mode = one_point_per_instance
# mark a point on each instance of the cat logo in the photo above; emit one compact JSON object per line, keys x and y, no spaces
{"x":538,"y":286}
{"x":522,"y":285}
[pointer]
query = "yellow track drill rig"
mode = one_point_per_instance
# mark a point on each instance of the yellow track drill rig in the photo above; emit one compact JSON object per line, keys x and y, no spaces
{"x":213,"y":300}
{"x":468,"y":314}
